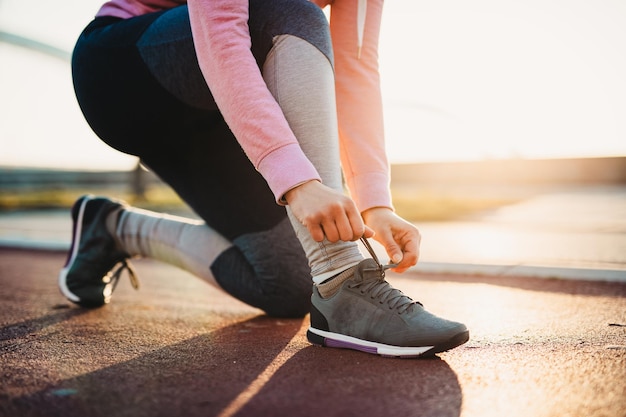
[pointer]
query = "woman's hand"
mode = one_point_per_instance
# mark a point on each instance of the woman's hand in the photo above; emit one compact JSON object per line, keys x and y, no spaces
{"x":400,"y":238}
{"x":326,"y":213}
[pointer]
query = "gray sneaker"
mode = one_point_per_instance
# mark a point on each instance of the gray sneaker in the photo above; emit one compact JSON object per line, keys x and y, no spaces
{"x":369,"y":315}
{"x":87,"y":278}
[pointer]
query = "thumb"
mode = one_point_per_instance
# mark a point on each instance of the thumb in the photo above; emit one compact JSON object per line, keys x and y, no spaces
{"x":395,"y":254}
{"x":394,"y":251}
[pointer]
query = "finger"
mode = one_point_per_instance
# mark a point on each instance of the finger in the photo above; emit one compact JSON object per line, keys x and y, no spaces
{"x":316,"y":231}
{"x":330,"y":231}
{"x":346,"y":228}
{"x":355,"y":224}
{"x":394,"y":251}
{"x":410,"y":255}
{"x":395,"y":255}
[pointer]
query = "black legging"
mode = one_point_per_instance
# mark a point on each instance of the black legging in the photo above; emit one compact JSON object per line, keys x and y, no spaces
{"x":145,"y":96}
{"x":187,"y":144}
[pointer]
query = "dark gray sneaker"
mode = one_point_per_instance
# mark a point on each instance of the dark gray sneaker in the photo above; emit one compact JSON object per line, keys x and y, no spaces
{"x":87,"y":278}
{"x":369,"y":315}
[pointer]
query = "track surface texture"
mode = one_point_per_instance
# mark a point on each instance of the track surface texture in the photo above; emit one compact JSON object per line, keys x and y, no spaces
{"x":538,"y":347}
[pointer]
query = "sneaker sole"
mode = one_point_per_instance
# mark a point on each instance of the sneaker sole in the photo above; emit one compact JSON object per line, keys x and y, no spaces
{"x":78,"y":227}
{"x":336,"y":340}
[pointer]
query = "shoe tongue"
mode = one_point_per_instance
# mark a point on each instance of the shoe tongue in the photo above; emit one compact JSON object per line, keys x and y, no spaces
{"x":368,"y":270}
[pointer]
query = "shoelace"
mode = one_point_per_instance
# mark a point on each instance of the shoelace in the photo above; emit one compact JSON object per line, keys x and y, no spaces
{"x":381,"y":289}
{"x":381,"y":267}
{"x":115,"y":275}
{"x":385,"y":293}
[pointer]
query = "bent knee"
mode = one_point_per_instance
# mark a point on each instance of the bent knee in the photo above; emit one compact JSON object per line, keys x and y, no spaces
{"x":292,"y":304}
{"x":300,"y":18}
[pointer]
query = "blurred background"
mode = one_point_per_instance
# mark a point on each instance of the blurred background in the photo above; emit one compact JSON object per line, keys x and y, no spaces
{"x":505,"y":124}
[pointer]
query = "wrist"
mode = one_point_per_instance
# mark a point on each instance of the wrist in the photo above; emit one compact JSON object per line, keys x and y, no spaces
{"x":293,"y":191}
{"x":376,"y":211}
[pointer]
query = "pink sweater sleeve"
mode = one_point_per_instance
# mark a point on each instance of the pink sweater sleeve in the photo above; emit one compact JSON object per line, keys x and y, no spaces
{"x":222,"y":42}
{"x":359,"y":104}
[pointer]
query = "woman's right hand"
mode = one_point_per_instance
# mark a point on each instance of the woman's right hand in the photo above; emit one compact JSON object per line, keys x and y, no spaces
{"x":326,"y":213}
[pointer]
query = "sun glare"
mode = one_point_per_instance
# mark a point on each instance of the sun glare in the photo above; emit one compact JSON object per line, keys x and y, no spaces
{"x":484,"y":80}
{"x":461,"y":81}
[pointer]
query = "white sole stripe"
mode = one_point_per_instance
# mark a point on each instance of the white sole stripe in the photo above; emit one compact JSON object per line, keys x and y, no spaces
{"x":76,"y":244}
{"x":381,"y":348}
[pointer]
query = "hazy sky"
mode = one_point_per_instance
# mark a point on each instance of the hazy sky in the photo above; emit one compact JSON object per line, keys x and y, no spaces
{"x":461,"y":80}
{"x":529,"y":78}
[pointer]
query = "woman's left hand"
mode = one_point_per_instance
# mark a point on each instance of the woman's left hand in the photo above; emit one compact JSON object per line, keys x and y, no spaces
{"x":400,"y":238}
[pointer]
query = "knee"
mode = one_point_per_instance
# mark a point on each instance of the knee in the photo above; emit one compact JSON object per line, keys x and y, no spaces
{"x":291,"y":302}
{"x":300,"y":18}
{"x":310,"y":24}
{"x":309,"y":15}
{"x":281,"y":287}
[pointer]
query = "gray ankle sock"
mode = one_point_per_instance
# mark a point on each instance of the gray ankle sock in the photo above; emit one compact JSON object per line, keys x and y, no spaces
{"x":330,"y":287}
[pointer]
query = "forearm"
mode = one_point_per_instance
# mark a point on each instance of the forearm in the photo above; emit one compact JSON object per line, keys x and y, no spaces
{"x":359,"y":104}
{"x":222,"y":41}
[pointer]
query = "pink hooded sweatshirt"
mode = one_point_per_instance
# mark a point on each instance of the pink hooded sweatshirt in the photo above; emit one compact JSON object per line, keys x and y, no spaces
{"x":222,"y":42}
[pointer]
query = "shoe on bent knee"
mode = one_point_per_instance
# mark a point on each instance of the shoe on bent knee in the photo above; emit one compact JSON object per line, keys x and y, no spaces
{"x":366,"y":313}
{"x":87,"y":278}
